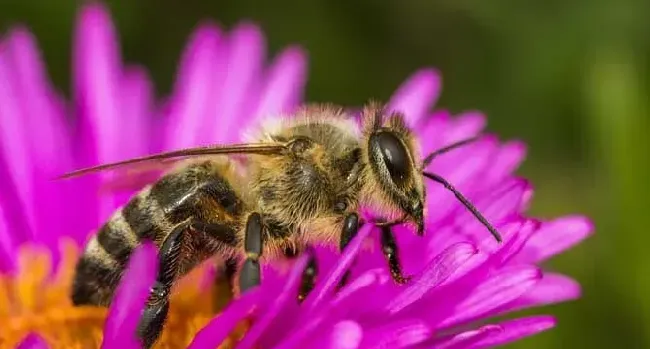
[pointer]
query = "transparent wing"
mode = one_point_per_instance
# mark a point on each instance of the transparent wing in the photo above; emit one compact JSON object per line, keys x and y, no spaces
{"x":164,"y":160}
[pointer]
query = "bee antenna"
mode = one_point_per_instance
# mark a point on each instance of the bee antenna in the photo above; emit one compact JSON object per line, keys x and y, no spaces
{"x":452,"y":146}
{"x":436,"y":178}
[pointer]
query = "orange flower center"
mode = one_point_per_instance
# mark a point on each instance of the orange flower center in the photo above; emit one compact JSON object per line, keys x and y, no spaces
{"x":36,"y":301}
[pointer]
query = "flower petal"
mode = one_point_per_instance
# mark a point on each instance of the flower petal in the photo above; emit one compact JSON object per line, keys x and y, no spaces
{"x":552,"y":288}
{"x":15,"y":157}
{"x":504,"y":287}
{"x":554,"y":237}
{"x":284,"y":85}
{"x":516,"y":329}
{"x":325,"y":287}
{"x":8,"y":246}
{"x":130,"y":298}
{"x":33,"y":341}
{"x":136,"y":94}
{"x":196,"y":87}
{"x":431,"y":133}
{"x":468,"y":338}
{"x":245,"y":58}
{"x":462,"y":168}
{"x":47,"y":125}
{"x":219,"y":328}
{"x":415,"y":97}
{"x":400,"y":334}
{"x":508,"y":158}
{"x":466,"y":125}
{"x":433,"y":275}
{"x":345,"y":334}
{"x":288,"y":292}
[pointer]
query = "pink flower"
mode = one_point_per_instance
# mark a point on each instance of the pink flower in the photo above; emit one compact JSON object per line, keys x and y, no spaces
{"x":462,"y":277}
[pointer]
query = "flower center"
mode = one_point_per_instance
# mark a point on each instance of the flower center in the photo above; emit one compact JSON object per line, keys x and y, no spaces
{"x":34,"y":300}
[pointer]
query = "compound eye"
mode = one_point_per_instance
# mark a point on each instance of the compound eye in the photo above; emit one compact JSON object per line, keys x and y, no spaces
{"x":394,"y":154}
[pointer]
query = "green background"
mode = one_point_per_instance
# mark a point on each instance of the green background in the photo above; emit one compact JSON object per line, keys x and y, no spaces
{"x":571,"y":78}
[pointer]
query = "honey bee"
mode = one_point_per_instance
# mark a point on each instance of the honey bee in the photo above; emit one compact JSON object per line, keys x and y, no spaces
{"x":299,"y":182}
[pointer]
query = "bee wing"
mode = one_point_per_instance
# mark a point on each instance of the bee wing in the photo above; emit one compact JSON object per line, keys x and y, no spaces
{"x":169,"y":158}
{"x":134,"y":177}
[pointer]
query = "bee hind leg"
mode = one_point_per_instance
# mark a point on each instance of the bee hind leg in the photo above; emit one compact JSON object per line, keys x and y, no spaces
{"x":155,"y":312}
{"x":169,"y":259}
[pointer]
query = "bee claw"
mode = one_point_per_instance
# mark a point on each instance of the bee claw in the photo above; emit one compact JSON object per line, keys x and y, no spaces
{"x":402,"y":280}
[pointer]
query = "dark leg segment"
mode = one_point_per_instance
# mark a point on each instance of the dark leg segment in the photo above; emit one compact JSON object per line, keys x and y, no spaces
{"x":250,"y":272}
{"x":308,"y":278}
{"x":155,"y":313}
{"x":350,"y":230}
{"x":389,"y":247}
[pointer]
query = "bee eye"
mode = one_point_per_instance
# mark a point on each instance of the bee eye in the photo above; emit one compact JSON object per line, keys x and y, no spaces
{"x":394,"y":154}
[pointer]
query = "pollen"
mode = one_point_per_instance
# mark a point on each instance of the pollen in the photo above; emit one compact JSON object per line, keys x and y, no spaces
{"x":35,"y":300}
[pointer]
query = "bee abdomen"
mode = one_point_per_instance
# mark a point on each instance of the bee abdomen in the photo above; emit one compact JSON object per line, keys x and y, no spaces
{"x":96,"y":276}
{"x":117,"y":239}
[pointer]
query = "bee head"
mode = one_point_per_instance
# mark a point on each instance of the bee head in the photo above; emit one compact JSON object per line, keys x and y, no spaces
{"x":393,"y":174}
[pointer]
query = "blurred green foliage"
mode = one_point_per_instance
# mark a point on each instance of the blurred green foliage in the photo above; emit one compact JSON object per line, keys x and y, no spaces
{"x":571,"y":78}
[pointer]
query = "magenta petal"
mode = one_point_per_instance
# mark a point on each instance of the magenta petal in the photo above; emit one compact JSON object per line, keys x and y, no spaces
{"x":433,"y":275}
{"x":246,"y":54}
{"x":431,"y":132}
{"x":344,"y":335}
{"x":130,"y":298}
{"x":554,"y":237}
{"x":415,"y":97}
{"x":552,"y":288}
{"x":401,"y":334}
{"x":466,"y":125}
{"x":506,"y":286}
{"x":516,"y":329}
{"x":195,"y":90}
{"x":46,"y":125}
{"x":468,"y":338}
{"x":7,"y":246}
{"x":498,"y":207}
{"x":33,"y":341}
{"x":326,"y":286}
{"x":284,"y":85}
{"x":219,"y":328}
{"x":97,"y":73}
{"x":15,"y":154}
{"x":96,"y":86}
{"x":506,"y":161}
{"x":137,"y":102}
{"x":286,"y":294}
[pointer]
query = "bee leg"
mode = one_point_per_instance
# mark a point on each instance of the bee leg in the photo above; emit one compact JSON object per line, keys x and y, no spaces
{"x":389,"y":247}
{"x":308,"y":278}
{"x":250,"y":271}
{"x":350,"y":229}
{"x":155,"y":312}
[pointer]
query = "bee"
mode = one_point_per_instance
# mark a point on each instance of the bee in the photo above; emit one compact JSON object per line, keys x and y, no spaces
{"x":301,"y":181}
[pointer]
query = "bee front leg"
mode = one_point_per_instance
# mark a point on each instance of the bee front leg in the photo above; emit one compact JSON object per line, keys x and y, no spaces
{"x":155,"y":312}
{"x":389,"y":248}
{"x":250,"y":271}
{"x":349,"y":231}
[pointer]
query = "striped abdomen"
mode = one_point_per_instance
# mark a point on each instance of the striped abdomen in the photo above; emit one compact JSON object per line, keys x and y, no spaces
{"x":198,"y":192}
